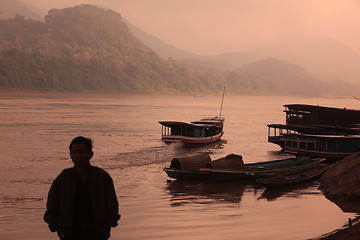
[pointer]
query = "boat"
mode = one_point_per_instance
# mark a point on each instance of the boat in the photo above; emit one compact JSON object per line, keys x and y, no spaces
{"x":332,"y":147}
{"x":277,"y":132}
{"x":317,"y":131}
{"x":265,"y":169}
{"x":292,"y":178}
{"x":232,"y":168}
{"x":203,"y":131}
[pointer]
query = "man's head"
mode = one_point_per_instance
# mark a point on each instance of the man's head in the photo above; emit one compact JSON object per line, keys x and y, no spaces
{"x":81,"y":151}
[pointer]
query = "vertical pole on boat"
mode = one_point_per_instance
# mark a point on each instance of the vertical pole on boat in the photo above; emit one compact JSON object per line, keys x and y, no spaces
{"x":222,"y":100}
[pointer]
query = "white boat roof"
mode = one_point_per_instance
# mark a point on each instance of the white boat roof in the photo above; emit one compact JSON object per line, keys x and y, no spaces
{"x":204,"y":122}
{"x":175,"y":123}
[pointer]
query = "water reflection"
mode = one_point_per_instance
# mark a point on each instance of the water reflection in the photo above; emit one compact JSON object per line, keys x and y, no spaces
{"x":293,"y":191}
{"x":201,"y":192}
{"x":349,"y":206}
{"x":208,"y":192}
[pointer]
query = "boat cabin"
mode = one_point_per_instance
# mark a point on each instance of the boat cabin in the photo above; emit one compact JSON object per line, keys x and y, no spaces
{"x":203,"y":131}
{"x":302,"y":114}
{"x":328,"y":146}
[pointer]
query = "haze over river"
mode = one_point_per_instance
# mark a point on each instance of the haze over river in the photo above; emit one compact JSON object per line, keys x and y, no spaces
{"x":36,"y":130}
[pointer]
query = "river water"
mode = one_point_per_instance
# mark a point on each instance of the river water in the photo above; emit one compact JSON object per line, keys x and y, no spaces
{"x":36,"y":130}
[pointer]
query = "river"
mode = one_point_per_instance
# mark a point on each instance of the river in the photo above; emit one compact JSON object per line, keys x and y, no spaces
{"x":36,"y":130}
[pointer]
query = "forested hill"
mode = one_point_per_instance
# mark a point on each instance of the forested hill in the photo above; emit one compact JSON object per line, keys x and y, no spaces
{"x":88,"y":48}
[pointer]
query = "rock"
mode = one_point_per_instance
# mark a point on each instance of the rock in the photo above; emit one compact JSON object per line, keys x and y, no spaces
{"x":341,"y":183}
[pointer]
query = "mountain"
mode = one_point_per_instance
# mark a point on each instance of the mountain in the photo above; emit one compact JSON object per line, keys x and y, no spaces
{"x":11,"y":8}
{"x":277,"y":77}
{"x":87,"y":48}
{"x":163,"y":49}
{"x":324,"y":57}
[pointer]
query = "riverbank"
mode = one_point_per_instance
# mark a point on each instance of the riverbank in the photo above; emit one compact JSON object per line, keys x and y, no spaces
{"x":340,"y":184}
{"x":348,"y":233}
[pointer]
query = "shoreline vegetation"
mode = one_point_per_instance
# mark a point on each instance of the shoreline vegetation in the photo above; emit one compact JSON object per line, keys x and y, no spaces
{"x":23,"y":92}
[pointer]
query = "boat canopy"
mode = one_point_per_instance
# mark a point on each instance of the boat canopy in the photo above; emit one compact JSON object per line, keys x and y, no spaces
{"x":312,"y":114}
{"x":193,"y":124}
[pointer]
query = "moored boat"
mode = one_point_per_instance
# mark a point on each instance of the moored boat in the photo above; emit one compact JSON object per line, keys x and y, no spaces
{"x":231,"y":167}
{"x":332,"y":147}
{"x":317,"y":131}
{"x":265,"y":169}
{"x":295,"y":177}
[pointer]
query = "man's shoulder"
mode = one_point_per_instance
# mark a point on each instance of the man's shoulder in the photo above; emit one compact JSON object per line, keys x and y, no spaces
{"x":65,"y":172}
{"x":99,"y":171}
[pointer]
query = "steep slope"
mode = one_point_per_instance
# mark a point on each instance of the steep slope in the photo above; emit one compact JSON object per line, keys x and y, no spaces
{"x":88,"y":48}
{"x":163,"y":49}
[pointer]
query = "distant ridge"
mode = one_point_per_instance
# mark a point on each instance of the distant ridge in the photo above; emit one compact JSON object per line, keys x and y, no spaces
{"x":323,"y":56}
{"x":163,"y":49}
{"x":11,"y":8}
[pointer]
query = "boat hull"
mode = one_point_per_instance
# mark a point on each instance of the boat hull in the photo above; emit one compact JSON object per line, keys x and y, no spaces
{"x":274,"y":168}
{"x":168,"y":139}
{"x":296,"y":177}
{"x":249,"y":171}
{"x":187,"y":174}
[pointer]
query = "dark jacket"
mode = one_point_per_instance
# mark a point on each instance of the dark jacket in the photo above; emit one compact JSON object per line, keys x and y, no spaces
{"x":62,"y":197}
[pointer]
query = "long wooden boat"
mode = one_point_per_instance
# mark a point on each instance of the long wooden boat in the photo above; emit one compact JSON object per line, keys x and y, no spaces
{"x":277,"y":132}
{"x":333,"y":147}
{"x":206,"y":130}
{"x":265,"y":169}
{"x":295,"y":177}
{"x":232,"y":168}
{"x":317,"y":131}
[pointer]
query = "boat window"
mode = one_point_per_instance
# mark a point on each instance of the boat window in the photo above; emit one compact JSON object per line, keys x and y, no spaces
{"x":176,"y":131}
{"x":302,"y":145}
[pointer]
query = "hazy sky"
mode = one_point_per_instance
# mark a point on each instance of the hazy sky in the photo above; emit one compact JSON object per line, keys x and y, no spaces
{"x":213,"y":26}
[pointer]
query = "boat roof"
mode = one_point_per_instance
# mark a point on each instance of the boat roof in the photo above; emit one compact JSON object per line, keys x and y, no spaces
{"x":315,"y":126}
{"x":204,"y":122}
{"x":307,"y":108}
{"x":176,"y":123}
{"x":291,"y":127}
{"x":324,"y":136}
{"x":213,"y":119}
